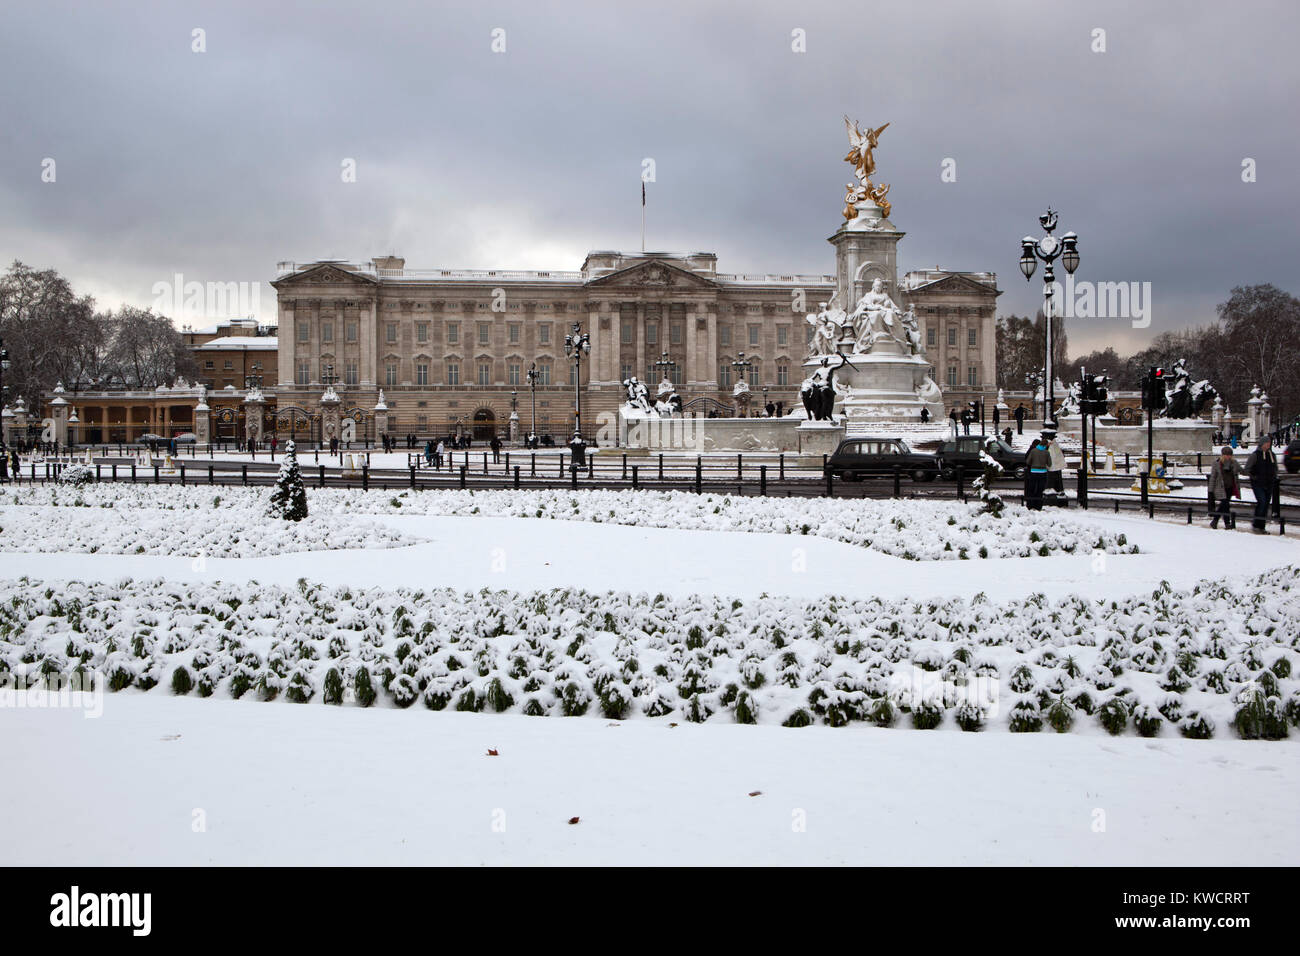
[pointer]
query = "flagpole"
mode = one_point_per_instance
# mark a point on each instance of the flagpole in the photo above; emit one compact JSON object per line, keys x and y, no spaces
{"x":643,"y":217}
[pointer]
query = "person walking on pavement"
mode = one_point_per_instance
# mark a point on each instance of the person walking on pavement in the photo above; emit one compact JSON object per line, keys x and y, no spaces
{"x":1020,"y":418}
{"x":438,"y":453}
{"x":952,"y":416}
{"x":965,"y":420}
{"x":495,"y":445}
{"x":1037,"y":460}
{"x":1223,"y":486}
{"x":1261,"y":465}
{"x":428,"y":452}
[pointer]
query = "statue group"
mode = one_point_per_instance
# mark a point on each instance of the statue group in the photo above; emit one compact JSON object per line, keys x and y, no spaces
{"x":667,"y":403}
{"x":819,"y":392}
{"x":1186,"y":398}
{"x":874,"y":319}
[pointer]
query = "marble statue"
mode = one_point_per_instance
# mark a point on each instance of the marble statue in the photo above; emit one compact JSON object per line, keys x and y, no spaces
{"x":862,"y":145}
{"x":819,"y":391}
{"x":874,"y":317}
{"x":637,"y":394}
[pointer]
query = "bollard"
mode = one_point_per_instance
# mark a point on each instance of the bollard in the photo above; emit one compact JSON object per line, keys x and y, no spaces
{"x":573,"y":477}
{"x":561,"y":464}
{"x":133,"y":474}
{"x":1126,"y":463}
{"x":98,"y":473}
{"x":507,"y":463}
{"x":1142,"y":480}
{"x":762,"y":480}
{"x":365,"y":475}
{"x":516,"y":476}
{"x":1189,"y":514}
{"x":1082,"y":474}
{"x":462,"y":475}
{"x":661,"y":466}
{"x":625,"y":466}
{"x":315,"y":454}
{"x":181,"y":466}
{"x":699,"y":475}
{"x":1277,"y":498}
{"x":740,"y":466}
{"x":1164,"y":461}
{"x":485,"y":471}
{"x":961,"y":482}
{"x":898,"y":483}
{"x":591,"y":466}
{"x":1198,"y":461}
{"x":210,"y":478}
{"x":413,"y":476}
{"x":115,"y":471}
{"x":532,"y":473}
{"x":243,"y":474}
{"x":634,"y":480}
{"x":830,"y":485}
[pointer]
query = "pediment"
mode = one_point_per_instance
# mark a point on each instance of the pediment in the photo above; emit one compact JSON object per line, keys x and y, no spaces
{"x":653,"y":274}
{"x":324,"y":274}
{"x":951,"y":284}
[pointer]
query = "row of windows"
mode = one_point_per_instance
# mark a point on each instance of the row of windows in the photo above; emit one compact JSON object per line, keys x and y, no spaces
{"x":422,"y":332}
{"x":514,"y":373}
{"x":972,"y":376}
{"x":972,"y":338}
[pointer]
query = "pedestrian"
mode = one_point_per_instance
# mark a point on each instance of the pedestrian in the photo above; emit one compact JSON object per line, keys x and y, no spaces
{"x":495,"y":445}
{"x":1037,"y":461}
{"x":952,"y":415}
{"x":275,"y":443}
{"x":965,"y":420}
{"x":1056,"y":466}
{"x":1006,"y":434}
{"x":925,"y":415}
{"x":997,"y":416}
{"x":1261,"y":465}
{"x":1020,"y":418}
{"x":438,"y":453}
{"x":1223,"y":486}
{"x":428,"y":452}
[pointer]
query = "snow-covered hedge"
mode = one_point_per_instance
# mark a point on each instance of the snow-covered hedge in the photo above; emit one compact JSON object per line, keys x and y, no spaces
{"x":1196,"y":662}
{"x":918,"y":530}
{"x":237,"y":530}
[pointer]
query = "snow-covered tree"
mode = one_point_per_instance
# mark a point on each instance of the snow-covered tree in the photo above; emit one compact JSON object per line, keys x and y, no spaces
{"x":984,"y":484}
{"x":289,"y":500}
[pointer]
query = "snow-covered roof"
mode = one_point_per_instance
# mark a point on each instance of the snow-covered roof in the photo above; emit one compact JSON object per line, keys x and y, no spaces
{"x":267,"y":343}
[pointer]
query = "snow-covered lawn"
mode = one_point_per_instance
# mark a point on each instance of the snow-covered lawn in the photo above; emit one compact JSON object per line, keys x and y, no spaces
{"x":178,"y":781}
{"x":1167,"y":662}
{"x":915,"y":530}
{"x":240,"y":529}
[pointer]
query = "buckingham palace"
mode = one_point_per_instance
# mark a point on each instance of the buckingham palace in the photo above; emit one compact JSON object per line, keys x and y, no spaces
{"x":451,"y":350}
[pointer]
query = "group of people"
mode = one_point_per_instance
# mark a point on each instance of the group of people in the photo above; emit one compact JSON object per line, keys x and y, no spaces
{"x":1225,"y":484}
{"x":965,"y":417}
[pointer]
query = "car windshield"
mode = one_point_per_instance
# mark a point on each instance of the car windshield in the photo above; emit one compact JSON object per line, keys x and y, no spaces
{"x":904,"y":448}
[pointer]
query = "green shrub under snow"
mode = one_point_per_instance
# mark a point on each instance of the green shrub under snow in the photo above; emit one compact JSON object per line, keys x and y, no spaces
{"x":1195,"y":660}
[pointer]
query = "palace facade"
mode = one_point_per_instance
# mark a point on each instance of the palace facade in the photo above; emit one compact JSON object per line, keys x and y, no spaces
{"x":451,"y":349}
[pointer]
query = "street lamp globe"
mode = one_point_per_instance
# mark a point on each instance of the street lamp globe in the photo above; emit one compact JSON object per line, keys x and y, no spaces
{"x":1028,"y":258}
{"x":1070,"y":256}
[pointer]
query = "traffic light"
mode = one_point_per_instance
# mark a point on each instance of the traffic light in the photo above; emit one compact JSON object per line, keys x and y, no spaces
{"x":1095,"y":395}
{"x":1153,"y":389}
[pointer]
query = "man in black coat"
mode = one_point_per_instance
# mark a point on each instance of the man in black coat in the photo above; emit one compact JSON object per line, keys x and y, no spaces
{"x":1020,"y":418}
{"x":1261,"y":466}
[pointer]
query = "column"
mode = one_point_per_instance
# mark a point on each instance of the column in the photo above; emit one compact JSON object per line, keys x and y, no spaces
{"x":287,"y":335}
{"x":691,"y":373}
{"x":366,"y":322}
{"x":639,"y":368}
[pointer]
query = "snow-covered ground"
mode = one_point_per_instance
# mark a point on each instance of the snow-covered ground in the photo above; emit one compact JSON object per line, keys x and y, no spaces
{"x":931,"y":530}
{"x":179,"y":781}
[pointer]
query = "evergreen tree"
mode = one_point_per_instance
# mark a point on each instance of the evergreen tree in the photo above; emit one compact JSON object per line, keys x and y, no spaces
{"x":289,"y":500}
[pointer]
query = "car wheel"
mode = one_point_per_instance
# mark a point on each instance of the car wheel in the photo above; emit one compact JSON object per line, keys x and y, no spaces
{"x":920,"y":475}
{"x":947,"y":474}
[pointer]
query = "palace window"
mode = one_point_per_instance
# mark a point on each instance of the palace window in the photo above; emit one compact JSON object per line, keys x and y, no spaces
{"x":544,"y":334}
{"x":652,"y":333}
{"x":952,"y":335}
{"x":753,"y":335}
{"x":783,"y":335}
{"x":421,"y":331}
{"x":392,"y":332}
{"x":303,"y":375}
{"x":209,"y":364}
{"x":970,"y":337}
{"x":327,"y":331}
{"x":422,"y":421}
{"x":724,"y":375}
{"x":484,"y":333}
{"x":512,"y":373}
{"x":675,"y":333}
{"x":624,"y":372}
{"x":930,"y":337}
{"x":952,"y":376}
{"x":390,"y":373}
{"x":782,"y":374}
{"x":625,"y":332}
{"x":421,"y":373}
{"x":485,"y":373}
{"x":229,"y":365}
{"x":514,"y":333}
{"x":543,"y":373}
{"x":972,"y":376}
{"x":304,"y":332}
{"x":351,"y":331}
{"x":350,"y":373}
{"x":453,"y":333}
{"x":453,"y":373}
{"x":724,"y":335}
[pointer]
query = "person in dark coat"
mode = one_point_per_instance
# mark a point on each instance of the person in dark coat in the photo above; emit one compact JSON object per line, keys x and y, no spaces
{"x":1020,"y":418}
{"x":925,"y":415}
{"x":1262,"y":468}
{"x":1037,"y":461}
{"x":966,"y":420}
{"x":1224,"y":484}
{"x":495,"y":445}
{"x":997,"y":417}
{"x":952,"y":416}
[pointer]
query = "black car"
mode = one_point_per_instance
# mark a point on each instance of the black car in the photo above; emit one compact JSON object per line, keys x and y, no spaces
{"x":964,"y":452}
{"x":1291,"y":457}
{"x":857,"y":458}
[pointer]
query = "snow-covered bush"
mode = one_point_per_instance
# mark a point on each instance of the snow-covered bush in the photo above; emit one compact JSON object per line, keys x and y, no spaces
{"x":77,"y":475}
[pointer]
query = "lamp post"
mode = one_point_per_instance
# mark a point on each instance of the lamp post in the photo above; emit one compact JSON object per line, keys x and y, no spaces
{"x":1034,"y":380}
{"x":532,"y":385}
{"x":1049,"y":248}
{"x":663,"y":364}
{"x":742,"y":365}
{"x":576,"y":344}
{"x":4,"y":452}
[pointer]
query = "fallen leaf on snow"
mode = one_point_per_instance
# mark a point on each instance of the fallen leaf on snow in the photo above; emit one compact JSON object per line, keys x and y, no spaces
{"x":572,"y":820}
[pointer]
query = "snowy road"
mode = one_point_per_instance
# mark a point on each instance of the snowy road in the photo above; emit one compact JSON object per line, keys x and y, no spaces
{"x":286,"y":784}
{"x":526,"y":553}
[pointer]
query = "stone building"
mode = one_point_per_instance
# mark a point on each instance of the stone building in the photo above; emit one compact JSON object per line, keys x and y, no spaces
{"x":451,"y":349}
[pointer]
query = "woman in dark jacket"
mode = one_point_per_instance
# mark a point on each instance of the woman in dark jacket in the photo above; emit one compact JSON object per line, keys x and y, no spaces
{"x":1262,"y":468}
{"x":1223,"y":486}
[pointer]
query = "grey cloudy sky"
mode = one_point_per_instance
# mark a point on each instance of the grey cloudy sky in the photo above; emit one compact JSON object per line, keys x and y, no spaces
{"x":217,"y":165}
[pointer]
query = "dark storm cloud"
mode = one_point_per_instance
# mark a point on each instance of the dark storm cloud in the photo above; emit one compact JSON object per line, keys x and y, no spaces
{"x":219,"y":164}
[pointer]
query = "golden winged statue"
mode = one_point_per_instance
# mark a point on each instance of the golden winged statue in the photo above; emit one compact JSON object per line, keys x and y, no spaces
{"x":862,"y":143}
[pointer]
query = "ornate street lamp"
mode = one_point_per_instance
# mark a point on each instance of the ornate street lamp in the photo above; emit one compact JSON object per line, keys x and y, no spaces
{"x":532,"y":385}
{"x":1049,"y":248}
{"x":577,"y":344}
